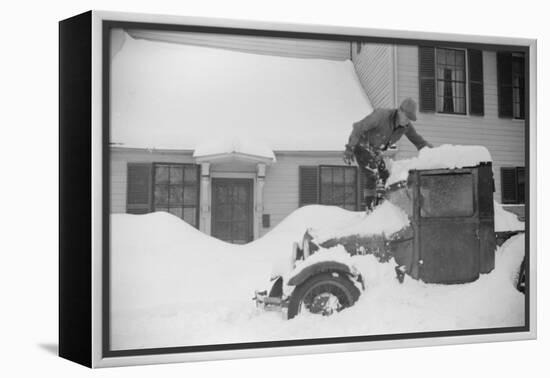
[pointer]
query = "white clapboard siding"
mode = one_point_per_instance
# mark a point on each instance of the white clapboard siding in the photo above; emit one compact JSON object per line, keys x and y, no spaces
{"x":281,"y":190}
{"x":504,"y":138}
{"x":289,"y":47}
{"x":119,"y":169}
{"x":374,"y":64}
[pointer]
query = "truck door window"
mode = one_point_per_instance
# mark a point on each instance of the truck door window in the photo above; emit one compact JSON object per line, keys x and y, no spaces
{"x":447,"y":195}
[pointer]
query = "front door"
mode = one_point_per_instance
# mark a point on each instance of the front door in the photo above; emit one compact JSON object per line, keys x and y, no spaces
{"x":232,"y":209}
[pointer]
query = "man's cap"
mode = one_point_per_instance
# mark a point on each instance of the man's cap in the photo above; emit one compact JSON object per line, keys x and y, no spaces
{"x":408,"y":106}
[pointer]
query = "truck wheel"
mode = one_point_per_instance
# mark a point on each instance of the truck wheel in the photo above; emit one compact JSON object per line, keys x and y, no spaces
{"x":323,"y":294}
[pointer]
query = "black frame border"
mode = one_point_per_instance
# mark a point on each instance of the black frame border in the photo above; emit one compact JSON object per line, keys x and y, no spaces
{"x":108,"y":25}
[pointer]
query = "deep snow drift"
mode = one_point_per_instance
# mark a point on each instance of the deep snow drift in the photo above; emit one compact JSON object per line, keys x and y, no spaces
{"x":173,"y":285}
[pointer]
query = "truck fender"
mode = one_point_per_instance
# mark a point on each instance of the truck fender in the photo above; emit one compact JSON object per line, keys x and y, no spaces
{"x":323,"y":267}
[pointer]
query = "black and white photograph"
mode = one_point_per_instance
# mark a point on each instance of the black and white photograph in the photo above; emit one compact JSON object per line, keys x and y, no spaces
{"x":271,"y":189}
{"x":279,"y":188}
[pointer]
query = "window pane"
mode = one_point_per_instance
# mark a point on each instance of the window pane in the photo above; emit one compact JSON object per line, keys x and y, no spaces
{"x":162,"y":174}
{"x":176,"y":195}
{"x":441,"y":56}
{"x":161,"y":195}
{"x":190,"y":215}
{"x":440,"y":72}
{"x":338,"y":176}
{"x":459,"y":90}
{"x":190,"y":175}
{"x":450,"y":57}
{"x":339,"y":187}
{"x":326,"y":175}
{"x":440,"y":103}
{"x":177,"y":211}
{"x":460,"y":58}
{"x":349,"y":194}
{"x":161,"y":209}
{"x":350,"y":176}
{"x":326,"y":194}
{"x":460,"y":105}
{"x":176,"y":174}
{"x":190,"y":195}
{"x":447,"y":195}
{"x":459,"y":75}
{"x":338,"y":195}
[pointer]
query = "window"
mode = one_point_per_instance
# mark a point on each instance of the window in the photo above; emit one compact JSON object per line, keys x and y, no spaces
{"x":338,"y":186}
{"x":512,"y":185}
{"x":511,"y":85}
{"x":451,"y":81}
{"x":330,"y":185}
{"x":445,"y":78}
{"x":176,"y":190}
{"x":518,"y":86}
{"x":447,"y":195}
{"x":173,"y":188}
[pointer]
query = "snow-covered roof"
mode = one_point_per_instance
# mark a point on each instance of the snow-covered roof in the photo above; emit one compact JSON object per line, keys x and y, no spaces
{"x":172,"y":96}
{"x":241,"y":146}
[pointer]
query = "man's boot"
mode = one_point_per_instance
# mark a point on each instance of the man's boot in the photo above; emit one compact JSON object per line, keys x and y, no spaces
{"x":370,"y":203}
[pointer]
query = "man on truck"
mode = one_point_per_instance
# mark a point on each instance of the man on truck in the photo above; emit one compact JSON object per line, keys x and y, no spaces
{"x":373,"y":135}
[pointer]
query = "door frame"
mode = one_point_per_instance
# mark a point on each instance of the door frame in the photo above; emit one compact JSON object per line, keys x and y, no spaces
{"x":250,"y":182}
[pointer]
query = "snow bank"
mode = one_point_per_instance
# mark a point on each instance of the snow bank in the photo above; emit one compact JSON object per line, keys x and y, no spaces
{"x":445,"y":156}
{"x":276,"y":245}
{"x":158,"y":259}
{"x":173,"y":96}
{"x":506,"y":220}
{"x":241,"y":145}
{"x":174,"y":286}
{"x":385,"y":219}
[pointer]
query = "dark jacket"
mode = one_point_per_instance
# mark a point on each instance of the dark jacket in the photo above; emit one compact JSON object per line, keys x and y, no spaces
{"x":380,"y":129}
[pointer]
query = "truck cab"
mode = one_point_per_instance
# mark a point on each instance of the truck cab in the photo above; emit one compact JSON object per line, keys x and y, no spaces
{"x":450,"y":239}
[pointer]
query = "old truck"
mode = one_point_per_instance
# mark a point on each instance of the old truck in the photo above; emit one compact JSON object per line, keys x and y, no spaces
{"x":450,"y":239}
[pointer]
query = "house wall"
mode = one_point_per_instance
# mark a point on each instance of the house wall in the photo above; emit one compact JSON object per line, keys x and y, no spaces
{"x":374,"y":65}
{"x":503,"y":137}
{"x":119,"y":170}
{"x":298,"y":48}
{"x":281,"y":190}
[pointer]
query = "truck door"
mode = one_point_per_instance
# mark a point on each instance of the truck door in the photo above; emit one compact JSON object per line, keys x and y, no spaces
{"x":448,"y":226}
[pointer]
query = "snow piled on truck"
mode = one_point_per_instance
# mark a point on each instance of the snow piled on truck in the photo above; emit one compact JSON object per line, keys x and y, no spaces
{"x":385,"y":219}
{"x":172,"y":285}
{"x":444,"y":156}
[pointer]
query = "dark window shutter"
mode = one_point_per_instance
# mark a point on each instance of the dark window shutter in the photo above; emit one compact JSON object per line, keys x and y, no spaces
{"x":505,"y":91}
{"x":426,"y":74}
{"x":521,"y":184}
{"x":475,"y":65}
{"x":508,"y":181}
{"x":138,"y":199}
{"x":362,"y":185}
{"x":309,"y":185}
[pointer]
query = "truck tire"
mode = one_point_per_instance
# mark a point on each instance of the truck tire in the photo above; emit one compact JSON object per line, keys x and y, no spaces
{"x":323,"y":294}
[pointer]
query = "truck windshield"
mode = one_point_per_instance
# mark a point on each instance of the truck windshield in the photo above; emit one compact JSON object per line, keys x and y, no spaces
{"x":447,"y":195}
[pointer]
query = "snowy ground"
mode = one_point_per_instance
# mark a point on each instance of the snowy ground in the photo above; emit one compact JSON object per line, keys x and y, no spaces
{"x":174,"y":286}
